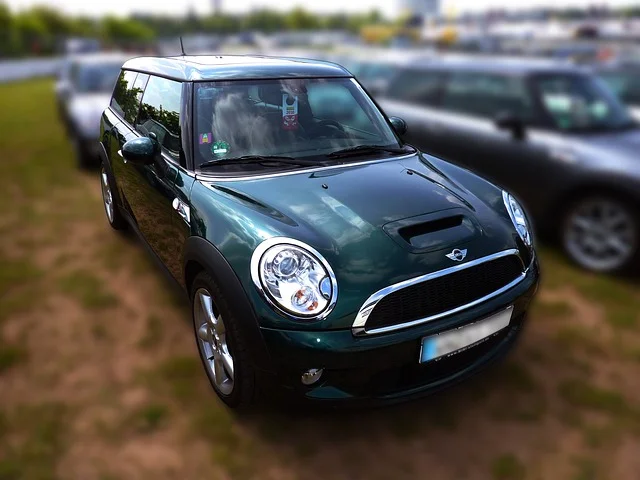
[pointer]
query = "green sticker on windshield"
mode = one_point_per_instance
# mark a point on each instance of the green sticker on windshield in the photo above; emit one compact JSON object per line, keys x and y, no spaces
{"x":220,"y":148}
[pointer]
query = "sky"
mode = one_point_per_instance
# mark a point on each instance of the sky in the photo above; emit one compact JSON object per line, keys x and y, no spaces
{"x":388,"y":7}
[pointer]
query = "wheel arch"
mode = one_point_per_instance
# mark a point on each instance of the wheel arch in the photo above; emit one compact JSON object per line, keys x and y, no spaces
{"x":558,"y":209}
{"x":201,"y":255}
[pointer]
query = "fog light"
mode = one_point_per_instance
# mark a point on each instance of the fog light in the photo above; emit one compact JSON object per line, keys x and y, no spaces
{"x":311,"y":376}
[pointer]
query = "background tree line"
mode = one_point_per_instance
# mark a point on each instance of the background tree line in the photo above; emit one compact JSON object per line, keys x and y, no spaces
{"x":39,"y":30}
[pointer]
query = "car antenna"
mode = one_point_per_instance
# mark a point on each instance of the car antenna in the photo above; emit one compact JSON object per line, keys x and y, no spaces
{"x":182,"y":47}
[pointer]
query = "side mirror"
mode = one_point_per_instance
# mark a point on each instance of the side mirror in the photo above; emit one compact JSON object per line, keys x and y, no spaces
{"x":399,"y":125}
{"x":511,"y":122}
{"x":140,"y":151}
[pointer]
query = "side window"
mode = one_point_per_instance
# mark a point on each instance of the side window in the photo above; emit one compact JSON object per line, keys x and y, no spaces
{"x":160,"y":114}
{"x":487,"y":95}
{"x":416,"y":86}
{"x":126,"y":96}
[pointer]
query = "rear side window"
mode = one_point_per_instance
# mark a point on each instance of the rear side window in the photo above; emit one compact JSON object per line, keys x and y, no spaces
{"x":487,"y":95}
{"x":625,"y":84}
{"x":416,"y":86}
{"x":160,"y":114}
{"x":127,"y":94}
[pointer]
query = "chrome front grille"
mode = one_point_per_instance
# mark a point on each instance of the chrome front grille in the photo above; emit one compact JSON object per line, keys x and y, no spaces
{"x":438,"y":294}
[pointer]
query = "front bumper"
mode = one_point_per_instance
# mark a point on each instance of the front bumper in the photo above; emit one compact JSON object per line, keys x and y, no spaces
{"x":385,"y":368}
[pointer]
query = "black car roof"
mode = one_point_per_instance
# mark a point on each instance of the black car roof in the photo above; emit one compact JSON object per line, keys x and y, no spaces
{"x":501,"y":65}
{"x":234,"y":67}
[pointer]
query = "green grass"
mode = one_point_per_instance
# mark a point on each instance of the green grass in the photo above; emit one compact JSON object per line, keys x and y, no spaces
{"x":508,"y":467}
{"x":88,"y":289}
{"x":150,"y":418}
{"x":182,"y":375}
{"x":580,"y":394}
{"x":10,"y":356}
{"x":38,"y":434}
{"x":551,"y":309}
{"x":153,"y":333}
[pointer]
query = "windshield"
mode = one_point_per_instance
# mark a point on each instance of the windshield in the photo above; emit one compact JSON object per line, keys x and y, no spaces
{"x":300,"y":118}
{"x":96,"y":78}
{"x":581,"y":103}
{"x":625,"y":84}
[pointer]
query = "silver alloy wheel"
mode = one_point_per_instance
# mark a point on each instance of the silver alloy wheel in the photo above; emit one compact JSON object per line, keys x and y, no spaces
{"x":107,"y":197}
{"x":600,"y":234}
{"x":212,"y":340}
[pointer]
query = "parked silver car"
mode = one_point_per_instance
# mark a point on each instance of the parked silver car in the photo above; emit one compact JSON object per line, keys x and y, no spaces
{"x":552,"y":133}
{"x":83,"y":90}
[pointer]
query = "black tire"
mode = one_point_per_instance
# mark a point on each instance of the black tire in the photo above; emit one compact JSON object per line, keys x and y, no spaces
{"x":244,"y":392}
{"x":117,"y":220}
{"x":626,"y":263}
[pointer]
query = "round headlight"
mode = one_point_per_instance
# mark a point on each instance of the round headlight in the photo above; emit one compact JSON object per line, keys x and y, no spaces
{"x":294,"y":278}
{"x":519,"y":219}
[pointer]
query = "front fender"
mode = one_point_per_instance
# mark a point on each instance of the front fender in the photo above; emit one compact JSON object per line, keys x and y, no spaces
{"x":199,"y":253}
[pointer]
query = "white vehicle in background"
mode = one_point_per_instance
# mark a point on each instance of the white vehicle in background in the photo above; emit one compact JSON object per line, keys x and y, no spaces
{"x":83,"y":90}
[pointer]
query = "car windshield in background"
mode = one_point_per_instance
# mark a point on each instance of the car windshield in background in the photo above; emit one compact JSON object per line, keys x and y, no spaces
{"x":96,"y":78}
{"x":625,"y":84}
{"x":299,"y":118}
{"x":578,"y":103}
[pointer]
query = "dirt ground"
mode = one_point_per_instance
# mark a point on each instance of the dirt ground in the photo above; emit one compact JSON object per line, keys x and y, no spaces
{"x":100,"y":380}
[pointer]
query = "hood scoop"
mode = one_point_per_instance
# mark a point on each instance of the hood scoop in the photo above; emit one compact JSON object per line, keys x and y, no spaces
{"x":434,"y":231}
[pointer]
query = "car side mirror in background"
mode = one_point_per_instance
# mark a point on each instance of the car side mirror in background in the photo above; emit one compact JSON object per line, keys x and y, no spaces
{"x":141,"y":151}
{"x":511,"y":122}
{"x":399,"y":125}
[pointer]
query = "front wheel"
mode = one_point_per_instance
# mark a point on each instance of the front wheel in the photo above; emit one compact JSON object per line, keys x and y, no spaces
{"x":601,"y":233}
{"x":220,"y":344}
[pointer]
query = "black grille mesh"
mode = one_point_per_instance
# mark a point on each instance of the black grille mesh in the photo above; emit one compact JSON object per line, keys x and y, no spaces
{"x":444,"y":293}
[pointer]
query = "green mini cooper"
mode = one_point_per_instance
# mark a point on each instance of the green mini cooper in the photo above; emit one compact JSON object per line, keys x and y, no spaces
{"x":322,"y":255}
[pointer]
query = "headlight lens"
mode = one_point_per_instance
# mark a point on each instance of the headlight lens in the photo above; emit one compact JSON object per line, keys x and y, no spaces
{"x":519,"y":219}
{"x":294,"y":277}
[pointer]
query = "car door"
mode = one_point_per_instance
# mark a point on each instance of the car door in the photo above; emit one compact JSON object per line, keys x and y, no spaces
{"x":150,"y":189}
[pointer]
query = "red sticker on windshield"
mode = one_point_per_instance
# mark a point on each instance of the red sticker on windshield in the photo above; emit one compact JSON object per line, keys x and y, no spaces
{"x":289,"y":112}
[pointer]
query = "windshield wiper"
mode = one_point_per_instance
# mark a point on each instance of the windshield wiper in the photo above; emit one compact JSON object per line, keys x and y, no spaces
{"x":265,"y":160}
{"x":369,"y":149}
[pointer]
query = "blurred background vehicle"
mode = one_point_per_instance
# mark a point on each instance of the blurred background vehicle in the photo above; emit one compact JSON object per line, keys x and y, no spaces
{"x":83,"y":90}
{"x":624,"y":79}
{"x":551,"y":132}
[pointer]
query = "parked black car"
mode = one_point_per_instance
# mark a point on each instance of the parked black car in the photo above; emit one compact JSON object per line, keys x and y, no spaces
{"x":553,"y":133}
{"x":321,"y":254}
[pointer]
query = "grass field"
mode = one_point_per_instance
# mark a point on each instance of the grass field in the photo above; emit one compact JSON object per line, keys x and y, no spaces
{"x":99,"y":378}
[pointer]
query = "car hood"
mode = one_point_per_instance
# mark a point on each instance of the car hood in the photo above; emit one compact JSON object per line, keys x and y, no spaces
{"x":376,"y":223}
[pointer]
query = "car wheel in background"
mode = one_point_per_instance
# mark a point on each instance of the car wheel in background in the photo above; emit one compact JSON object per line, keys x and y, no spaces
{"x":111,"y":209}
{"x":602,"y":233}
{"x":220,"y":345}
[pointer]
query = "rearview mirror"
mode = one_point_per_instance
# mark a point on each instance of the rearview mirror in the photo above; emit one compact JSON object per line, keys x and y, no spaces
{"x":399,"y":125}
{"x":141,"y":151}
{"x":511,"y":122}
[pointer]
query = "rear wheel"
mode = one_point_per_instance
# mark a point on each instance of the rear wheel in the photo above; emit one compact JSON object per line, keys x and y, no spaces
{"x":220,"y":344}
{"x":602,"y":233}
{"x":111,"y":209}
{"x":83,"y":159}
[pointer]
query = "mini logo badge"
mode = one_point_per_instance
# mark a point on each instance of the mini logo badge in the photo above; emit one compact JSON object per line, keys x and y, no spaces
{"x":457,"y":255}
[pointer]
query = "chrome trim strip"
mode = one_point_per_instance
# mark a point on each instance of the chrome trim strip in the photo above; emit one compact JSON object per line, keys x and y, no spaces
{"x":359,"y":324}
{"x":255,"y":275}
{"x":212,"y":178}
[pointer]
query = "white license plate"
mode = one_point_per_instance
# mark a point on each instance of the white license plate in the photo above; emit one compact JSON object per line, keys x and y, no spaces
{"x":453,"y":341}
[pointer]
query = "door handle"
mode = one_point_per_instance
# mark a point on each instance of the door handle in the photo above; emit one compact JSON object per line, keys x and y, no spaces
{"x":183,"y":210}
